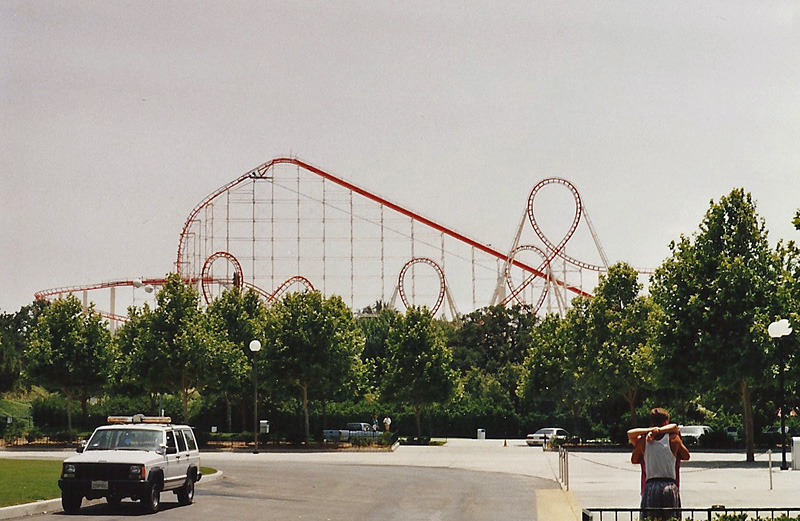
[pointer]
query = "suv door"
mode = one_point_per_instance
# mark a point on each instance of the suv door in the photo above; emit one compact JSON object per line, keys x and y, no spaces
{"x":172,"y":474}
{"x":193,"y":454}
{"x":183,"y":455}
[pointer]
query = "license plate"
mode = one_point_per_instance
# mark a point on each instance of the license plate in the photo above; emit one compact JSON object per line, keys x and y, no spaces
{"x":99,"y":485}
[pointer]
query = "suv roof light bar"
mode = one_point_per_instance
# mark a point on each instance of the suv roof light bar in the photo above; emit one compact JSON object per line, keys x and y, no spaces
{"x":139,"y":418}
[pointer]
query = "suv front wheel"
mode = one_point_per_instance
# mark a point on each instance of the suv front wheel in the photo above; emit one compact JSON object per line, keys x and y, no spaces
{"x":153,"y":499}
{"x":71,"y":502}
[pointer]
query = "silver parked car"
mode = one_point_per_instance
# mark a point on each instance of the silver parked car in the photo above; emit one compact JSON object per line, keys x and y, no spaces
{"x":548,"y":433}
{"x":691,"y":434}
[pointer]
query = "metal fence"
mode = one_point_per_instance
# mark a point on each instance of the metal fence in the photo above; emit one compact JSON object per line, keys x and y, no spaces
{"x":699,"y":514}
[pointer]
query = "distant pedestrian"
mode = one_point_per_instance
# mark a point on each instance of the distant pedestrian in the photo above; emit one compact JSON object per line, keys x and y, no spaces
{"x":659,"y":450}
{"x":375,"y":426}
{"x":387,"y":423}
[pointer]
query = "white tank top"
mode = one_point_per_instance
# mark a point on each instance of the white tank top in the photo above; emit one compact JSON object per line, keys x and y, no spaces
{"x":658,"y":459}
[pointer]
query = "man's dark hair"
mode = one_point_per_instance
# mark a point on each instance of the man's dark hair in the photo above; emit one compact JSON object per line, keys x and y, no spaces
{"x":658,"y":417}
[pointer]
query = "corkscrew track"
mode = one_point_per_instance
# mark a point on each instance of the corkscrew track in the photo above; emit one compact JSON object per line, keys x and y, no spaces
{"x":552,"y":251}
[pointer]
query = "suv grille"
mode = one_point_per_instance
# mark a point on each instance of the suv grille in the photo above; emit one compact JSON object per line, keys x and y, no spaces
{"x":102,"y":471}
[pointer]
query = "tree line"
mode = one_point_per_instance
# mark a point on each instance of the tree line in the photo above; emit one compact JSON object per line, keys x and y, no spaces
{"x":695,"y":340}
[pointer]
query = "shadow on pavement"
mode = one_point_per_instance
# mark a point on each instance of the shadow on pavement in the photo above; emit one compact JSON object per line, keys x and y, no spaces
{"x":124,"y":509}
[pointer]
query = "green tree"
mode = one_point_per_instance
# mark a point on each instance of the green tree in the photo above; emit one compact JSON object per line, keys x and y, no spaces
{"x":10,"y":359}
{"x":136,"y":370}
{"x":556,"y":366}
{"x":314,"y":344}
{"x":620,"y":337}
{"x":69,"y":352}
{"x":169,"y":347}
{"x":230,"y":369}
{"x":717,"y":292}
{"x":790,"y":302}
{"x":547,"y":379}
{"x":239,"y":318}
{"x":788,"y":306}
{"x":15,"y":330}
{"x":494,"y":340}
{"x":419,"y":372}
{"x":10,"y":353}
{"x":375,"y":324}
{"x":575,"y":333}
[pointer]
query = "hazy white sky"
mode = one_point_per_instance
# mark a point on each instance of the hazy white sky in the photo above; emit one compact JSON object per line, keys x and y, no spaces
{"x":117,"y":118}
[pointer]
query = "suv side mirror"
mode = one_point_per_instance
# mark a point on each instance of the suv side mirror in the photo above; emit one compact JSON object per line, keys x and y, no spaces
{"x":161,"y":450}
{"x":81,"y":446}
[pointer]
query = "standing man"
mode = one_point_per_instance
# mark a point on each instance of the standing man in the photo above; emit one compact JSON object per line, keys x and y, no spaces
{"x":659,"y":449}
{"x":387,"y":422}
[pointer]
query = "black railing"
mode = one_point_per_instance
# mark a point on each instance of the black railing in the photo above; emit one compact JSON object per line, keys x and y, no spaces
{"x":698,"y":514}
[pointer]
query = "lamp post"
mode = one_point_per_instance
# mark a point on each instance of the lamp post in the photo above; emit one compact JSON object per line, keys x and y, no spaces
{"x":776,"y":330}
{"x":139,"y":283}
{"x":255,"y":347}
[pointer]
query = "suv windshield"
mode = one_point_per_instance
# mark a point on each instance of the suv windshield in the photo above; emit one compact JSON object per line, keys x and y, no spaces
{"x":125,"y":439}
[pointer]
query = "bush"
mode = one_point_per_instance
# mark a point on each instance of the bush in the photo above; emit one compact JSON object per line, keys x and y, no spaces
{"x":745,"y":517}
{"x":556,"y":442}
{"x":358,"y":441}
{"x":63,"y":436}
{"x":716,"y":438}
{"x":33,"y":434}
{"x":49,"y":412}
{"x":416,"y":440}
{"x":14,"y":431}
{"x":384,"y":440}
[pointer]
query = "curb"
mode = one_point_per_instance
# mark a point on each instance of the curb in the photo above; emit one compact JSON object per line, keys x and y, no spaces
{"x":557,"y":505}
{"x":54,"y":505}
{"x":30,"y":509}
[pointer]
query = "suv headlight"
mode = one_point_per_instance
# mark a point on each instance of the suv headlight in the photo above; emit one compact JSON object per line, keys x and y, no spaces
{"x":136,"y":472}
{"x":68,"y":470}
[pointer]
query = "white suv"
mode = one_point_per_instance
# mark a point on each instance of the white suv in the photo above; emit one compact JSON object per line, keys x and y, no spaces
{"x":136,"y":457}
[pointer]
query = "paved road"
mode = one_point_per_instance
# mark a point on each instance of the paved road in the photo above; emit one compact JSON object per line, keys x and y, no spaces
{"x":287,"y":490}
{"x":284,"y":491}
{"x":464,"y":479}
{"x":461,"y":481}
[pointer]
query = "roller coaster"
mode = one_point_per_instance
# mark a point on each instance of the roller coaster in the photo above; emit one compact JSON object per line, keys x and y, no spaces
{"x":287,"y":225}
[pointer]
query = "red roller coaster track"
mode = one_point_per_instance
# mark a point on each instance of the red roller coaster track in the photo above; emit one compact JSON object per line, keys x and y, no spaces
{"x":200,"y":220}
{"x":261,"y":173}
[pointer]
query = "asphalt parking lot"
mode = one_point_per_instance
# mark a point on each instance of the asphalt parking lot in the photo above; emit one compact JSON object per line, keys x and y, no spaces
{"x":597,"y":479}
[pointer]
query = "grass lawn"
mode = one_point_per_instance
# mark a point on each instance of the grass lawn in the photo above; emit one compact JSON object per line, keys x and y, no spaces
{"x":25,"y":481}
{"x":18,"y":410}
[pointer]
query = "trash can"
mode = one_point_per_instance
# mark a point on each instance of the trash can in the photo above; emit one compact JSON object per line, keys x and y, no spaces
{"x":481,"y":434}
{"x":263,"y":426}
{"x":795,"y":453}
